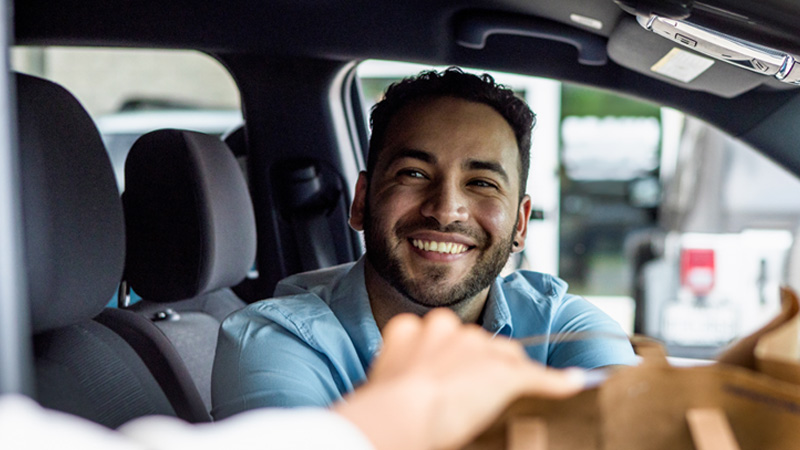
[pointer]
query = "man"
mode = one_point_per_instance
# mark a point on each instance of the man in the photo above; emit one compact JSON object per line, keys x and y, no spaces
{"x":442,"y":206}
{"x":419,"y":396}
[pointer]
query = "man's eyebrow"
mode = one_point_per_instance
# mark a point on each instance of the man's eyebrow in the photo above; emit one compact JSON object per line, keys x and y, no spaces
{"x":492,"y":166}
{"x":413,"y":153}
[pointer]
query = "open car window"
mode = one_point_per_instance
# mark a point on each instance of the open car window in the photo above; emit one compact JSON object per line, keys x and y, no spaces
{"x":129,"y":92}
{"x":674,"y":228}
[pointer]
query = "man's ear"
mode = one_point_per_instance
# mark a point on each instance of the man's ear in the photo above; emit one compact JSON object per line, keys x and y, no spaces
{"x":521,"y":229}
{"x":359,"y":203}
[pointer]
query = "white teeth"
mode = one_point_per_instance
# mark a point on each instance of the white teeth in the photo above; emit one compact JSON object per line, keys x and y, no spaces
{"x":439,"y":247}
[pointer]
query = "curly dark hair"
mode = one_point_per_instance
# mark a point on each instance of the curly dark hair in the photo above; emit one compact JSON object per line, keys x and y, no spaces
{"x":453,"y":82}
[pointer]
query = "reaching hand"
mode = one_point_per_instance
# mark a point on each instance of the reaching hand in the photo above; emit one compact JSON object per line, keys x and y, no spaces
{"x":437,"y":383}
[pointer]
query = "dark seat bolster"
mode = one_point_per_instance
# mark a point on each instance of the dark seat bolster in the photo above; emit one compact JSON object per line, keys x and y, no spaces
{"x":88,"y":370}
{"x":163,"y":360}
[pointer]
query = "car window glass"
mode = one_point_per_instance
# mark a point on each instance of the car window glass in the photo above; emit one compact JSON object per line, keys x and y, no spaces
{"x":132,"y":91}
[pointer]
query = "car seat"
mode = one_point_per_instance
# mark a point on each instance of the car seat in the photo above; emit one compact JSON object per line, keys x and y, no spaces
{"x":74,"y":243}
{"x":191,"y":236}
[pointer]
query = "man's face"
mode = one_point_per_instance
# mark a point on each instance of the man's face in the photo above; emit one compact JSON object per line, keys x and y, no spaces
{"x":442,"y":207}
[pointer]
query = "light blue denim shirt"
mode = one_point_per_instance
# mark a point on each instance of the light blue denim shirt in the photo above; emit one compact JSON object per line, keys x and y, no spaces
{"x":314,"y":341}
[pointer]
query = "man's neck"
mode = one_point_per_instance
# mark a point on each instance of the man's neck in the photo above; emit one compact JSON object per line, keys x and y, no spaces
{"x":386,"y":302}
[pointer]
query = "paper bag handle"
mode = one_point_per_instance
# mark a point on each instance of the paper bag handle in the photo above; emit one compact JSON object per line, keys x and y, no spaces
{"x":710,"y":429}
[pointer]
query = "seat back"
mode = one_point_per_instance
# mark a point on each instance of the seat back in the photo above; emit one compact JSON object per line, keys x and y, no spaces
{"x":191,"y":236}
{"x":74,"y":244}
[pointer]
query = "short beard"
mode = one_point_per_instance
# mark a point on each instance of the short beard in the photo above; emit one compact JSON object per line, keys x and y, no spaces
{"x":428,"y":292}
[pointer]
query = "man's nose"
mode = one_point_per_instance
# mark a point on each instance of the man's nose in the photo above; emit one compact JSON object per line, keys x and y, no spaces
{"x":446,"y":204}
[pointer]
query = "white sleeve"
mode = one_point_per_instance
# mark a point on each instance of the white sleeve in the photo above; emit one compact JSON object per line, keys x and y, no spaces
{"x":268,"y":428}
{"x":25,"y":425}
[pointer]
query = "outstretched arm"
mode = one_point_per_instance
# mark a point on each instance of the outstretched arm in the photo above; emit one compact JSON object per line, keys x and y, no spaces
{"x":438,"y":383}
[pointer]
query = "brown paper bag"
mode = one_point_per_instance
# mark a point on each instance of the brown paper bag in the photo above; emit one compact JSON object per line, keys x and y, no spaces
{"x":749,"y":399}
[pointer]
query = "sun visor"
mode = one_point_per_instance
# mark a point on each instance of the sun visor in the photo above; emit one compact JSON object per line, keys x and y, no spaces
{"x":645,"y":52}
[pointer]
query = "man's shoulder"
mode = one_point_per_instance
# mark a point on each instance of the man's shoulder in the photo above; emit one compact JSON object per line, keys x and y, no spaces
{"x":318,"y":282}
{"x":288,"y":311}
{"x":535,"y":284}
{"x":299,"y":301}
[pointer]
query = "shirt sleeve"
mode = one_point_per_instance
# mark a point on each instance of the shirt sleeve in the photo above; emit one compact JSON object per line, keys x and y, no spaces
{"x":260,"y":364}
{"x":269,"y":429}
{"x":604,"y":343}
{"x":26,"y":425}
{"x":22,"y":422}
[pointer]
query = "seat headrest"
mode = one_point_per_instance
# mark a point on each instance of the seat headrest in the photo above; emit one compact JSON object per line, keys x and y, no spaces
{"x":72,"y":216}
{"x":189,"y":218}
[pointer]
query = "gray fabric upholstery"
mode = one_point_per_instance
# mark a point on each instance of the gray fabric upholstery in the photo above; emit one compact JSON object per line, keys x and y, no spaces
{"x":190,"y":220}
{"x":194,"y":336}
{"x":162,"y":359}
{"x":71,"y":210}
{"x":191,"y":235}
{"x":194,"y":333}
{"x":217,"y":304}
{"x":86,"y":369}
{"x":74,"y":241}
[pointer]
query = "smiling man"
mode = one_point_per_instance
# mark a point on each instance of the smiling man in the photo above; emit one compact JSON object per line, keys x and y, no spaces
{"x":439,"y":210}
{"x":442,"y":206}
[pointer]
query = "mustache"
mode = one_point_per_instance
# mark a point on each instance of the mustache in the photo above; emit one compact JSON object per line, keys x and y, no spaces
{"x":404,"y":229}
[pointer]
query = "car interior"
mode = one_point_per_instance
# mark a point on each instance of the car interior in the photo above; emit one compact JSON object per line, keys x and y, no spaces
{"x":197,"y":238}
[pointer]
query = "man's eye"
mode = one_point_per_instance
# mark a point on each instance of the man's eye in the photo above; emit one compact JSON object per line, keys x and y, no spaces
{"x":411,"y":173}
{"x":483,"y":184}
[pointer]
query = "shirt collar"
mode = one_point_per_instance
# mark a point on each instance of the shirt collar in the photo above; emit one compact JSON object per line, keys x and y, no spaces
{"x":350,"y":304}
{"x":496,"y":317}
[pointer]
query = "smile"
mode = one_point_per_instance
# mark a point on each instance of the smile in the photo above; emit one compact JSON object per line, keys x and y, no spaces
{"x":440,"y":247}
